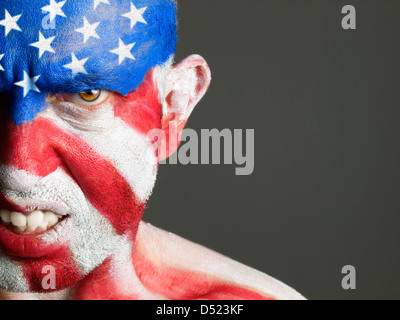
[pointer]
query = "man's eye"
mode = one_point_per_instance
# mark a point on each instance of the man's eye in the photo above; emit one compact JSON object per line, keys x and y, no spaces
{"x":90,"y":95}
{"x":86,"y":98}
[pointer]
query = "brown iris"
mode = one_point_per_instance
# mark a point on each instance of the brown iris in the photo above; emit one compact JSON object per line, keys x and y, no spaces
{"x":90,"y":95}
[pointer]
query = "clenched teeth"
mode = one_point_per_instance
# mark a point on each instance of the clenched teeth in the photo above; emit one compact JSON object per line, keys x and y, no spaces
{"x":35,"y":221}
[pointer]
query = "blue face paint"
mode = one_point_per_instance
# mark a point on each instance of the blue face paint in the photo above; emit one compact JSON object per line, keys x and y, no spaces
{"x":75,"y":45}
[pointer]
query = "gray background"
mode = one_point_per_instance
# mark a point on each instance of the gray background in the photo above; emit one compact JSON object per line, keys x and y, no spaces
{"x":325,"y":107}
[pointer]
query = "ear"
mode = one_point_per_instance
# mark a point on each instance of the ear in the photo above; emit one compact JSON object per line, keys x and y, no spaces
{"x":187,"y":83}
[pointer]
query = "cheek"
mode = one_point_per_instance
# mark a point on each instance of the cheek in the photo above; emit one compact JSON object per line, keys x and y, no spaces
{"x":141,"y":109}
{"x":114,"y":167}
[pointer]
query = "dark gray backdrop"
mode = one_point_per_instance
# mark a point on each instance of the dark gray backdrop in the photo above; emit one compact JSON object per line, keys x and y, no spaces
{"x":324,"y":103}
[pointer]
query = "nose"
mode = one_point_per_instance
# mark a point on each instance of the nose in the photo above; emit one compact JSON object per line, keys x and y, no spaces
{"x":26,"y":149}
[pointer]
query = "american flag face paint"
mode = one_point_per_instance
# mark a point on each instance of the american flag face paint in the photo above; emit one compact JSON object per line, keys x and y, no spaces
{"x":104,"y":45}
{"x":78,"y":94}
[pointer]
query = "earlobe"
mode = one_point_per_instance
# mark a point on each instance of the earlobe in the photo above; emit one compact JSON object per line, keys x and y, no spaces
{"x":187,"y":83}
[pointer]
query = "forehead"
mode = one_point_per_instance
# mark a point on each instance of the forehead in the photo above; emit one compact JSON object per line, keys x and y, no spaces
{"x":75,"y":45}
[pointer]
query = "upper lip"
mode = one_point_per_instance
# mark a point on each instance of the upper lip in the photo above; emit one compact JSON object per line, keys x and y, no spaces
{"x":27,"y":205}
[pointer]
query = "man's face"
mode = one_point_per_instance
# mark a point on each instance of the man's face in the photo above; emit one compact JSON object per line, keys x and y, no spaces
{"x":78,"y":95}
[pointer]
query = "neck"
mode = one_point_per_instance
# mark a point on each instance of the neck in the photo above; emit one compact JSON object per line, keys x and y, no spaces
{"x":59,"y":295}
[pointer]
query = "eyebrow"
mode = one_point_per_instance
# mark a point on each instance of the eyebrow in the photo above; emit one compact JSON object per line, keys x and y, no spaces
{"x":79,"y":83}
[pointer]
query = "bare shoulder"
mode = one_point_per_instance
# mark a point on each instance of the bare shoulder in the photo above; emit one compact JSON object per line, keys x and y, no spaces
{"x":187,"y":266}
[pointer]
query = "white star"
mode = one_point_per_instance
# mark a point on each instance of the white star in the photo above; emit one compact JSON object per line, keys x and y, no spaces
{"x":43,"y":44}
{"x":88,"y":30}
{"x":10,"y":23}
{"x":124,"y":51}
{"x":54,"y":9}
{"x":1,"y":67}
{"x":135,"y":15}
{"x":28,"y":84}
{"x":77,"y":66}
{"x":97,"y":2}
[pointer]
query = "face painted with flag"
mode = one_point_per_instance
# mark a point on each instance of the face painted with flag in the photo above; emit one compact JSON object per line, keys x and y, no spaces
{"x":89,"y":104}
{"x":81,"y":82}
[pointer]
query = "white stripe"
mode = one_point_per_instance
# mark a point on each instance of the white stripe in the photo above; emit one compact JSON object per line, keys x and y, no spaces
{"x":128,"y":150}
{"x":124,"y":275}
{"x":14,"y":179}
{"x":12,"y":277}
{"x":92,"y":237}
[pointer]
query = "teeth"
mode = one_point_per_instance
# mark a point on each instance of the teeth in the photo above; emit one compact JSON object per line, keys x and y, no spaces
{"x":50,"y":218}
{"x":18,"y":219}
{"x":5,"y":216}
{"x":34,"y":220}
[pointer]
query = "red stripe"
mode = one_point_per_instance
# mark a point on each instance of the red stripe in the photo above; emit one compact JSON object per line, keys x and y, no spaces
{"x":100,"y":181}
{"x":175,"y":284}
{"x":28,"y":147}
{"x":140,"y":109}
{"x":66,"y":272}
{"x":40,"y":147}
{"x":99,"y":285}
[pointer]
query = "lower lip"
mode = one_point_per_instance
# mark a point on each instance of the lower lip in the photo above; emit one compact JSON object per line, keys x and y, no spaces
{"x":25,"y":246}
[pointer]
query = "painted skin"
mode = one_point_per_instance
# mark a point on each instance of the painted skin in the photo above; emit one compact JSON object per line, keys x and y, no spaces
{"x":92,"y":164}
